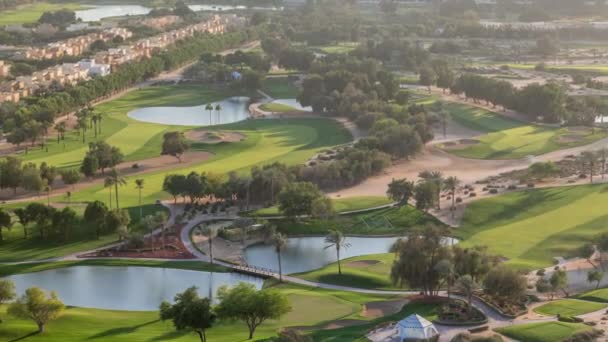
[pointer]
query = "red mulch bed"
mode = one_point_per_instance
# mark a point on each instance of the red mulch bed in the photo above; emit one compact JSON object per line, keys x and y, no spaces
{"x":174,"y":248}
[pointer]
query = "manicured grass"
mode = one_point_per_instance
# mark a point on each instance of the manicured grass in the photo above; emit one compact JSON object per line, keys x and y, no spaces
{"x":137,"y":140}
{"x":367,"y":272}
{"x":357,"y":333}
{"x":277,"y":108}
{"x":31,"y":13}
{"x":568,"y":307}
{"x":78,"y":324}
{"x":340,"y":205}
{"x":280,"y":88}
{"x":531,"y":227}
{"x":543,"y":332}
{"x":338,"y":48}
{"x":510,"y":139}
{"x":7,"y":270}
{"x":388,"y":221}
{"x":599,"y":295}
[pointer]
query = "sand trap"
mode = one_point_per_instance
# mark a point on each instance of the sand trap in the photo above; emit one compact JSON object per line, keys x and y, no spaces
{"x":383,"y":308}
{"x":214,"y":137}
{"x":362,"y":263}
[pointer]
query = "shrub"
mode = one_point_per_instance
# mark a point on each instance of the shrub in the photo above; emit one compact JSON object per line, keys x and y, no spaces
{"x":512,"y":187}
{"x":472,"y":194}
{"x":531,"y":185}
{"x":135,"y":166}
{"x":493,"y":191}
{"x":458,"y":200}
{"x":540,"y":272}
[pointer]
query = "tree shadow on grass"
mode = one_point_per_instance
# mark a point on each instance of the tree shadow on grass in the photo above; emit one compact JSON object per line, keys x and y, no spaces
{"x":121,"y":330}
{"x":25,"y":336}
{"x":346,"y":279}
{"x":171,"y":335}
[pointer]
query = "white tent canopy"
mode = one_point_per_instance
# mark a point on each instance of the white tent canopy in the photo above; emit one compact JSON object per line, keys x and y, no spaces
{"x":416,"y":327}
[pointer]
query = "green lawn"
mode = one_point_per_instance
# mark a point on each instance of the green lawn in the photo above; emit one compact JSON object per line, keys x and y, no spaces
{"x":31,"y":13}
{"x":531,"y":227}
{"x":78,"y":324}
{"x":368,"y":272}
{"x":543,"y":332}
{"x":388,"y":221}
{"x":338,"y":48}
{"x":599,"y":295}
{"x":510,"y":139}
{"x":280,"y":88}
{"x":340,"y":205}
{"x":277,"y":108}
{"x":568,"y":307}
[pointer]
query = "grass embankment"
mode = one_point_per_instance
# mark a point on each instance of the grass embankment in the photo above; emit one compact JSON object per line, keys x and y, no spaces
{"x":280,"y":88}
{"x":367,"y":272}
{"x":78,"y":324}
{"x":388,"y":221}
{"x":136,"y":139}
{"x":599,"y":295}
{"x":543,"y":332}
{"x":511,"y":139}
{"x":7,"y":270}
{"x":30,"y":13}
{"x":277,"y":108}
{"x":340,"y":205}
{"x":569,"y":307}
{"x":531,"y":227}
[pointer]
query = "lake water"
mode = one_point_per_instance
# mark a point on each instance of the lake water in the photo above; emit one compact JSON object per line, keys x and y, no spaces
{"x":100,"y":12}
{"x":293,"y":103}
{"x":234,"y":109}
{"x":125,"y":288}
{"x":309,"y":253}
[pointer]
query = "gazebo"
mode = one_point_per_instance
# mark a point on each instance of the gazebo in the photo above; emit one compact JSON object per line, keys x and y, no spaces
{"x":416,"y":328}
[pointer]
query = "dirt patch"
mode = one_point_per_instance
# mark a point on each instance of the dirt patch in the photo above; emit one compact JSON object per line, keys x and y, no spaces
{"x":362,"y":263}
{"x":383,"y":308}
{"x":460,"y":144}
{"x":570,"y":138}
{"x":343,"y":323}
{"x":214,"y":137}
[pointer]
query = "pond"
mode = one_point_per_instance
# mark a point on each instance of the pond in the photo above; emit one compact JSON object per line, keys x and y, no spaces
{"x":308,"y":253}
{"x":293,"y":103}
{"x":125,"y":288}
{"x":100,"y":12}
{"x":233,"y":109}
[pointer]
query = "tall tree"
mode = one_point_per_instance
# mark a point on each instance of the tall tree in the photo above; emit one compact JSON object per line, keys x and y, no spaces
{"x":280,"y":242}
{"x":451,"y":184}
{"x":189,"y":312}
{"x":5,"y":222}
{"x":400,"y":191}
{"x":210,"y":234}
{"x":35,"y":305}
{"x":117,"y":181}
{"x":95,"y":214}
{"x":595,"y":276}
{"x":467,"y":285}
{"x":174,"y":144}
{"x":139,"y":185}
{"x":243,"y":302}
{"x":7,"y":291}
{"x":337,"y":240}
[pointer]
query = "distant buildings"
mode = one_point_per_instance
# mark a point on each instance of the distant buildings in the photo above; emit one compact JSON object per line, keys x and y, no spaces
{"x":101,"y":63}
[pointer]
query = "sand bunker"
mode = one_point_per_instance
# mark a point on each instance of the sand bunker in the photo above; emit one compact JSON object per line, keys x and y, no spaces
{"x":362,"y":263}
{"x":383,"y":308}
{"x":214,"y":137}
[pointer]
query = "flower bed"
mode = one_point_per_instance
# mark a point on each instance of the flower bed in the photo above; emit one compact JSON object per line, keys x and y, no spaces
{"x":456,"y":312}
{"x":503,"y":308}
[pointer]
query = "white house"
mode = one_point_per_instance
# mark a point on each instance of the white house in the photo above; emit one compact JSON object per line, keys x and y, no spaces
{"x":416,"y":328}
{"x":93,"y":68}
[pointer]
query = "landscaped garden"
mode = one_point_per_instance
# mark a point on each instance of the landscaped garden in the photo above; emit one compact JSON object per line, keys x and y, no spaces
{"x":506,"y":138}
{"x":568,"y":307}
{"x":529,"y":228}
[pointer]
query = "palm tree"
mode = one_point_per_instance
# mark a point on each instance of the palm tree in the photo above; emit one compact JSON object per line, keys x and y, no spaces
{"x":68,"y":195}
{"x":209,"y":107}
{"x":60,"y":128}
{"x":99,"y":118}
{"x":117,"y":180}
{"x":161,"y":220}
{"x":336,"y":239}
{"x":218,"y":109}
{"x":451,"y":184}
{"x":603,"y":156}
{"x":436,"y":178}
{"x":280,"y":242}
{"x":588,"y":159}
{"x":139,"y":185}
{"x":48,"y":189}
{"x":444,"y":116}
{"x":210,"y":233}
{"x":108,"y":183}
